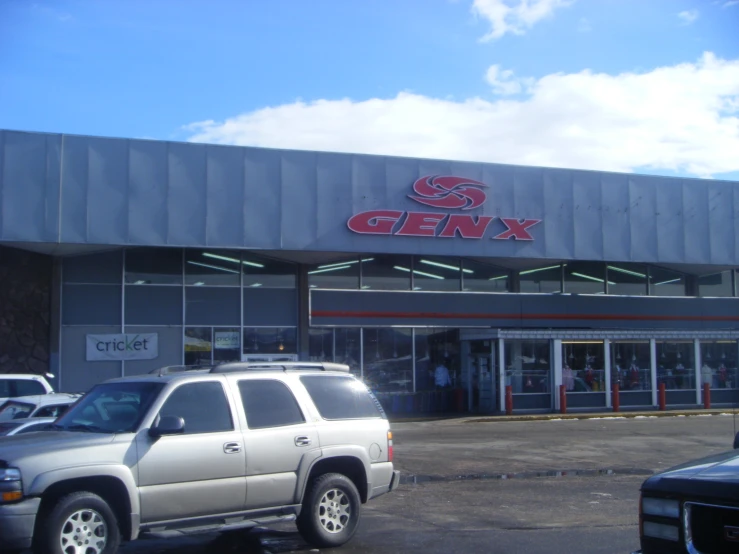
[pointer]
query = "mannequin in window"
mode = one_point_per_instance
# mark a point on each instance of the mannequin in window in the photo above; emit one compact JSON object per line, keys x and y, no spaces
{"x":589,"y":377}
{"x":634,"y":378}
{"x":707,"y":375}
{"x":679,"y":375}
{"x":723,"y":376}
{"x":568,"y":378}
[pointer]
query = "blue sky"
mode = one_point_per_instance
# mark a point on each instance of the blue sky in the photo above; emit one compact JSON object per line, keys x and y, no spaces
{"x":382,"y":76}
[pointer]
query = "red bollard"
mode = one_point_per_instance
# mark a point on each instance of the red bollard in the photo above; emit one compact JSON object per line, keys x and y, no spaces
{"x":562,"y":399}
{"x":509,"y":400}
{"x":662,"y":397}
{"x":707,"y":396}
{"x":616,"y":398}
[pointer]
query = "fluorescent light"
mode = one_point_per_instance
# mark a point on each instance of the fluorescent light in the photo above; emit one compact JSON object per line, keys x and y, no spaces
{"x":214,"y":267}
{"x":253,"y":264}
{"x":232,"y":260}
{"x":583,"y":276}
{"x":199,"y":283}
{"x":365,"y":286}
{"x":350,"y":262}
{"x":256,"y":285}
{"x":497,"y":278}
{"x":335,"y":268}
{"x":628,"y":272}
{"x":539,"y":269}
{"x":416,"y":272}
{"x":445,"y":266}
{"x":139,"y":282}
{"x":667,"y":282}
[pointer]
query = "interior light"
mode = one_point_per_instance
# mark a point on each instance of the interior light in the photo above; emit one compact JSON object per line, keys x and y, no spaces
{"x":326,"y":266}
{"x":627,"y":271}
{"x":416,"y":272}
{"x":253,"y":264}
{"x":365,"y":286}
{"x":497,"y":278}
{"x":445,"y":266}
{"x":327,"y":269}
{"x":199,"y":283}
{"x":140,"y":282}
{"x":219,"y":257}
{"x":668,"y":282}
{"x":583,"y":276}
{"x":256,"y":285}
{"x":227,"y":270}
{"x":539,"y":269}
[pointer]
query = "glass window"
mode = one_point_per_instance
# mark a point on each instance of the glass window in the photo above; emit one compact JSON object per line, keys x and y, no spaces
{"x":198,"y":345}
{"x":437,"y":347}
{"x":203,"y":406}
{"x":585,"y":278}
{"x":719,"y":364}
{"x":321,"y":345}
{"x":15,"y":410}
{"x":347,"y":348}
{"x":546,"y":279}
{"x":52,"y":411}
{"x":382,"y":273}
{"x":717,"y":284}
{"x":442,"y":274}
{"x":342,"y":398}
{"x":583,"y":366}
{"x":676,"y":364}
{"x":28,"y":387}
{"x":627,"y":279}
{"x":212,"y":267}
{"x":269,"y":403}
{"x":270,"y":340}
{"x":664,"y":282}
{"x":341,"y":274}
{"x":388,"y":362}
{"x":482,"y":277}
{"x":153,"y":266}
{"x":267,"y":273}
{"x":226,"y":344}
{"x":631,"y":365}
{"x":528,"y":366}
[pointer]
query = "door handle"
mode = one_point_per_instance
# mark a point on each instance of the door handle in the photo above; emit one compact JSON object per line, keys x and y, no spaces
{"x":232,"y":448}
{"x":302,"y":441}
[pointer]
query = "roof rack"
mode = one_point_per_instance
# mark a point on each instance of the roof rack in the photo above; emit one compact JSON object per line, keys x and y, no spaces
{"x":168,"y":370}
{"x":233,"y":367}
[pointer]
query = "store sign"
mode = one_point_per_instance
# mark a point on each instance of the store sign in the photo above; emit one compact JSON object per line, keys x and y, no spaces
{"x":444,"y":192}
{"x":130,"y":346}
{"x":226,"y":340}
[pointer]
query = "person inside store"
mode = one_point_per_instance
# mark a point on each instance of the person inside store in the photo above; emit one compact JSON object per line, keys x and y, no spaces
{"x":441,"y":375}
{"x":568,"y":378}
{"x":722,"y":376}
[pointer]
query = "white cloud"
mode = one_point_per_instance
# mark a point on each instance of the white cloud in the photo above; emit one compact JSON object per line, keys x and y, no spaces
{"x":514,"y":16}
{"x":688,"y":16}
{"x":681,"y":118}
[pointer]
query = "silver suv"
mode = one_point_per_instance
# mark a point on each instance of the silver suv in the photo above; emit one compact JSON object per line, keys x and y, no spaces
{"x":192,"y":450}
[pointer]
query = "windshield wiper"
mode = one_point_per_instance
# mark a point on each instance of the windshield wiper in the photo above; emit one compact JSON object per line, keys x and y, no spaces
{"x":82,"y":427}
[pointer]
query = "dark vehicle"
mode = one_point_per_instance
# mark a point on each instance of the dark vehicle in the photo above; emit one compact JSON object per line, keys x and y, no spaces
{"x":693,"y":507}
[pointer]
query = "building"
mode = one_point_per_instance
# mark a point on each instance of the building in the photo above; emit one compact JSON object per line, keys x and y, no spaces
{"x":119,"y":256}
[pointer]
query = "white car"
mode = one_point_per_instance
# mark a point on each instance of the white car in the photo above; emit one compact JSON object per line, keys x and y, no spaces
{"x":23,"y":384}
{"x":45,"y":405}
{"x":25,"y":425}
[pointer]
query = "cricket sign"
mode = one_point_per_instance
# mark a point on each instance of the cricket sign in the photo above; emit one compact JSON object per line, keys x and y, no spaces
{"x":443,"y":192}
{"x":130,"y":346}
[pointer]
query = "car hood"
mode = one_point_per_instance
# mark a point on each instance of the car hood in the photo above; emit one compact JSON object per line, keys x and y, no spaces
{"x":714,"y":476}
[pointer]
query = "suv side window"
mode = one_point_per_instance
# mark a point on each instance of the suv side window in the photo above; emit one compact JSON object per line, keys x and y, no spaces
{"x":269,"y":403}
{"x":203,"y":406}
{"x":52,"y":411}
{"x":342,"y":397}
{"x":28,"y":387}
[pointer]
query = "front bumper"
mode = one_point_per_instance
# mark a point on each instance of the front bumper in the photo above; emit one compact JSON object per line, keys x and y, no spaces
{"x":17,"y":522}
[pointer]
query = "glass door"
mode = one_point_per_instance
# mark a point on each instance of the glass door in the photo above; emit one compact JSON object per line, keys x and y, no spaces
{"x":482,"y":376}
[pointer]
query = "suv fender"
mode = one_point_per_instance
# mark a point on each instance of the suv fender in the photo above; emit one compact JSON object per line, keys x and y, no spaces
{"x":348,"y":460}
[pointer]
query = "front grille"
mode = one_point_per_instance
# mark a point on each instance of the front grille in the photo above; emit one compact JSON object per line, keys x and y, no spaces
{"x":714,"y":529}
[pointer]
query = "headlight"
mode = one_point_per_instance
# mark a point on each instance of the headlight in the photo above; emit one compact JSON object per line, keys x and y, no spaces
{"x":11,"y":488}
{"x":10,"y":474}
{"x":660,"y":507}
{"x":661,"y":531}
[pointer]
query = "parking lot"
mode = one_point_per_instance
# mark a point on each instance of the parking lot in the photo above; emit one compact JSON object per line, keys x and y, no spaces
{"x":509,"y":487}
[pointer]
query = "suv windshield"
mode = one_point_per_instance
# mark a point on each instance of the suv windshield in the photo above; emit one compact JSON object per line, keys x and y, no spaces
{"x":110,"y":408}
{"x":15,"y":410}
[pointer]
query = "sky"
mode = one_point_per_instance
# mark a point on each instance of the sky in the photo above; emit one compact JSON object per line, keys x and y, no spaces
{"x":613,"y":85}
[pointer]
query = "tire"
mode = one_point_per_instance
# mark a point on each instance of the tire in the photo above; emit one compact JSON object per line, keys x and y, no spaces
{"x":84,"y":516}
{"x":330,"y":512}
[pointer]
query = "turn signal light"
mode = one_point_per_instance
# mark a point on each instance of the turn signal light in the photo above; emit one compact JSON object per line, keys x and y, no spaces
{"x":12,"y":496}
{"x":389,"y":446}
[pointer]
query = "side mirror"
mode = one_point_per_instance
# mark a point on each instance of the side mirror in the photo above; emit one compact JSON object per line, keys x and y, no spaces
{"x":736,"y":441}
{"x":167,"y":425}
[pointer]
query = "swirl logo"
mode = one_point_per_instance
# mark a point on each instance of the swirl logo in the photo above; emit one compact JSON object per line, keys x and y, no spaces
{"x":443,"y":191}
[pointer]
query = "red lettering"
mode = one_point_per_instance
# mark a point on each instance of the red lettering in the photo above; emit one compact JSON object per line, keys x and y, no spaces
{"x":374,"y":222}
{"x":421,"y":224}
{"x":466,"y":226}
{"x":517,"y":228}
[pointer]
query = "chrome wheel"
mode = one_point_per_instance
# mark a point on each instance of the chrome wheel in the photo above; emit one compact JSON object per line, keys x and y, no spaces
{"x":334,"y":511}
{"x":84,"y":532}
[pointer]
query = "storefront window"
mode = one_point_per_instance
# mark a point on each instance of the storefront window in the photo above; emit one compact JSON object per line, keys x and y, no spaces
{"x":388,"y":360}
{"x":585,"y":278}
{"x":631,"y":365}
{"x":347,"y":348}
{"x":266,"y":272}
{"x":528,"y":366}
{"x":676,"y":364}
{"x":716,"y":284}
{"x":270,"y":340}
{"x":436,"y":274}
{"x":719,"y":364}
{"x":321,"y":344}
{"x":664,"y":282}
{"x":583,"y":366}
{"x":436,"y":347}
{"x":226,"y":344}
{"x":341,"y":274}
{"x":153,"y":266}
{"x":542,"y":279}
{"x":382,"y":273}
{"x":627,"y":279}
{"x":481,"y":277}
{"x":198,"y":345}
{"x":212,"y":268}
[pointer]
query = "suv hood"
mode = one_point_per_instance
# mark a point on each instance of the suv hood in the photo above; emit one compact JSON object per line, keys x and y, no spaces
{"x":715,"y":476}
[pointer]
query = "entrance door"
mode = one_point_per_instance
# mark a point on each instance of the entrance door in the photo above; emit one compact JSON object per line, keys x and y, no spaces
{"x":482,"y":376}
{"x":269,"y":357}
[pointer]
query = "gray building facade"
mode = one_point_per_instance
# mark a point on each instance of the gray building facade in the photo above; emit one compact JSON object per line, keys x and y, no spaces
{"x":441,"y":283}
